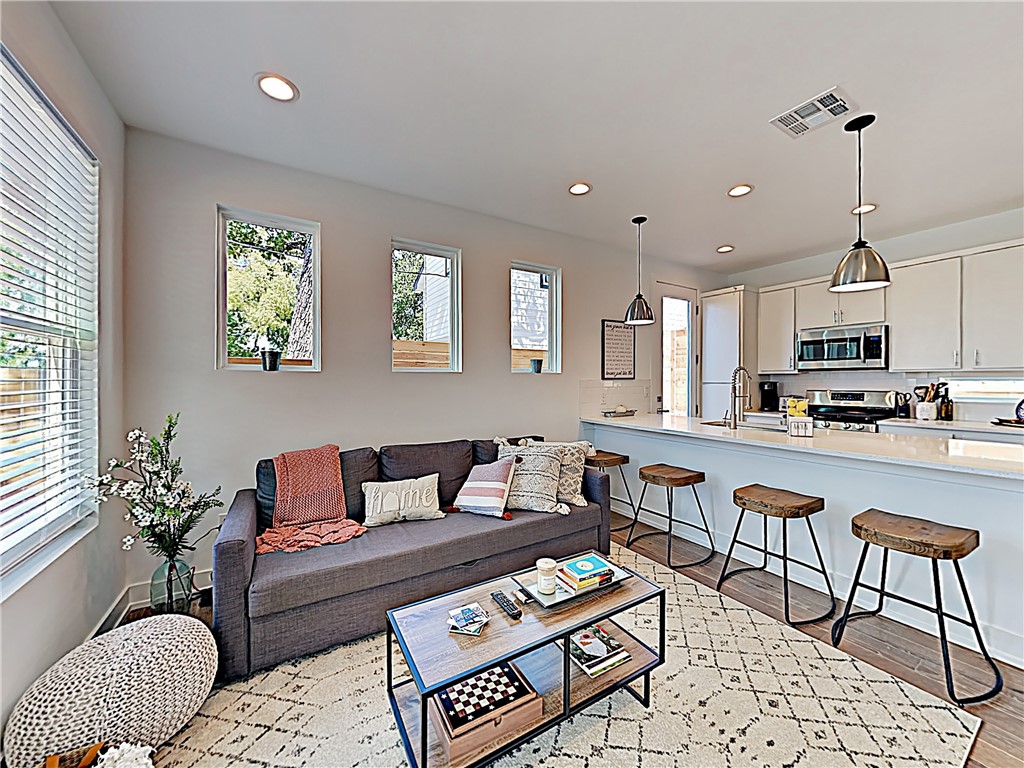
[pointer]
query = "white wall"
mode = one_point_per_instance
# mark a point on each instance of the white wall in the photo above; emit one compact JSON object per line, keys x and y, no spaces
{"x":230,"y":419}
{"x":60,"y":607}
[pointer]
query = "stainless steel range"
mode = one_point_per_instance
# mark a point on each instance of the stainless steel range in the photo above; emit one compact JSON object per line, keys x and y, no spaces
{"x":852,"y":410}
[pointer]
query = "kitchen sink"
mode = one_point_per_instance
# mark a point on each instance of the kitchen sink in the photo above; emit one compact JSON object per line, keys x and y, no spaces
{"x":747,"y":425}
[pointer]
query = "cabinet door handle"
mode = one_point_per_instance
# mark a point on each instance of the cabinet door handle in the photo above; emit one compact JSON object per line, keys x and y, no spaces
{"x":840,"y":316}
{"x":791,"y":362}
{"x":835,"y":317}
{"x":956,"y":357}
{"x":976,"y":357}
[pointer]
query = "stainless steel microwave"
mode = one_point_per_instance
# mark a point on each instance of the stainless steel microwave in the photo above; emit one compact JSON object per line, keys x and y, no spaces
{"x":843,"y":347}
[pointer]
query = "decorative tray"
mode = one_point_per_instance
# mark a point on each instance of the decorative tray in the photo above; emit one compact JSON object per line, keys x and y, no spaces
{"x":528,"y":581}
{"x":1009,"y":422}
{"x":618,"y":414}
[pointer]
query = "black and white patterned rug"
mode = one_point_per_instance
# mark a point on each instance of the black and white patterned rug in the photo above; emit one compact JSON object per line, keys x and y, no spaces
{"x":738,"y":689}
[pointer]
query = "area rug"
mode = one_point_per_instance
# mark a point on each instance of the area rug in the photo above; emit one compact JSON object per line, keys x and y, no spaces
{"x":738,"y":689}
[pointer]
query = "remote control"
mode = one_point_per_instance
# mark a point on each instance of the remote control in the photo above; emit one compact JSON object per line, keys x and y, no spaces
{"x":506,"y":605}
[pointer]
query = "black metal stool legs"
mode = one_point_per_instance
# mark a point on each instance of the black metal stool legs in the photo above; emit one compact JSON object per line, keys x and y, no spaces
{"x":786,"y":560}
{"x":632,"y":506}
{"x":973,"y":623}
{"x":705,"y":528}
{"x":840,"y":626}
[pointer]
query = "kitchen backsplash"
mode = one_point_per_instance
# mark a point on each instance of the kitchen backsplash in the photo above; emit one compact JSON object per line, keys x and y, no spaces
{"x":968,"y":411}
{"x":597,"y":395}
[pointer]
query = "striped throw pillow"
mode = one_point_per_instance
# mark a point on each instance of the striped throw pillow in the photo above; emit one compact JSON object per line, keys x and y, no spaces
{"x":486,"y":489}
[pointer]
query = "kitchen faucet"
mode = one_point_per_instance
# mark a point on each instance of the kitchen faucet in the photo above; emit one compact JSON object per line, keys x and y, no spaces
{"x":736,"y":395}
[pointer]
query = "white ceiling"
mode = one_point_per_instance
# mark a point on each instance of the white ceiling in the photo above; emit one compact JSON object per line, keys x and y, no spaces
{"x":498,"y":107}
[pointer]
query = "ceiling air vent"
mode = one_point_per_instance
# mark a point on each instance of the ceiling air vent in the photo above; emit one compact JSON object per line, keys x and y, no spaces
{"x":815,"y":113}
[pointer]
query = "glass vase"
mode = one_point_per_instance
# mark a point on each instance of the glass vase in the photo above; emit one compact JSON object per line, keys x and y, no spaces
{"x":175,"y":577}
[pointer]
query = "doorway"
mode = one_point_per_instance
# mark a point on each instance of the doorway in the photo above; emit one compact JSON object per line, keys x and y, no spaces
{"x":678,"y":350}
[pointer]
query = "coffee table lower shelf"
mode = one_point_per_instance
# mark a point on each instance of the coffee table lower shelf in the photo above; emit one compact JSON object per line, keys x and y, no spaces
{"x":543,"y":667}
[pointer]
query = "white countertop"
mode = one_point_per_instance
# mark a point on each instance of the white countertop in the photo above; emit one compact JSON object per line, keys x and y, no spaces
{"x":969,"y":456}
{"x":956,"y":426}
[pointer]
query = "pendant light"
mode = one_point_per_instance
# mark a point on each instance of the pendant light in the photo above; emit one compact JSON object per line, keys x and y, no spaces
{"x":639,"y":312}
{"x":862,"y":268}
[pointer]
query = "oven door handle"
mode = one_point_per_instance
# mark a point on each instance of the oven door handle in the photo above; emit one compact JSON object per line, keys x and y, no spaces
{"x":864,"y":347}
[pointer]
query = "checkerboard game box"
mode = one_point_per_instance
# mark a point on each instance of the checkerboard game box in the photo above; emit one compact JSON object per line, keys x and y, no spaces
{"x":469,"y":716}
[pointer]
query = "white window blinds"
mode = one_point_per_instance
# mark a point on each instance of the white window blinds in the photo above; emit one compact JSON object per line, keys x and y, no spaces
{"x":49,"y":200}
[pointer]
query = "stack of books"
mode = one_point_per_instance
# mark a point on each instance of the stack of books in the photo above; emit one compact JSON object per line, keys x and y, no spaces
{"x":595,"y":651}
{"x":584,"y":574}
{"x":468,"y":620}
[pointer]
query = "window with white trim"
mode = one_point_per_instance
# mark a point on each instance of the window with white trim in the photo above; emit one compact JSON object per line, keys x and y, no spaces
{"x":536,"y":317}
{"x":49,"y":205}
{"x":269,"y":292}
{"x":426,"y":307}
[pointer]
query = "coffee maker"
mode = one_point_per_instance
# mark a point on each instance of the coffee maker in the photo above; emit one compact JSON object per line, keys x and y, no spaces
{"x":769,"y":391}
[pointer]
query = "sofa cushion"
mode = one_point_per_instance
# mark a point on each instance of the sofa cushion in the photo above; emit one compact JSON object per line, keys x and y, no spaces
{"x":452,"y":461}
{"x":486,"y":451}
{"x":285,"y":580}
{"x":358,"y":466}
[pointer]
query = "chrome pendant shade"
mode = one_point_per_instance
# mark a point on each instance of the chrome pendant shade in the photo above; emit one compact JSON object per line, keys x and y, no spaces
{"x":639,"y":312}
{"x":862,"y":268}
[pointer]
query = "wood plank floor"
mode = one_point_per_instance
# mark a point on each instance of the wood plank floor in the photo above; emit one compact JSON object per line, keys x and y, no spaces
{"x":902,"y":651}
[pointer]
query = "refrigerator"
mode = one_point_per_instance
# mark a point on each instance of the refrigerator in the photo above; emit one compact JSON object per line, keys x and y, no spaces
{"x":729,"y":339}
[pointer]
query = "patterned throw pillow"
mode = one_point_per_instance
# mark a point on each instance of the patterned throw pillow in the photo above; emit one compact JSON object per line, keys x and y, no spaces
{"x":486,"y":489}
{"x":414,"y":499}
{"x":535,"y":480}
{"x":571,"y":458}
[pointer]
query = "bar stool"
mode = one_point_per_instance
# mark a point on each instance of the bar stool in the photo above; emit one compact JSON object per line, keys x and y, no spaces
{"x":785,"y":505}
{"x":924,"y":539}
{"x":602,"y":460}
{"x":671,"y":478}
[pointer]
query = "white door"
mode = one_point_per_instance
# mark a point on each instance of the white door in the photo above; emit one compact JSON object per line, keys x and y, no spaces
{"x":720,"y":323}
{"x":678,"y":349}
{"x":776,"y":341}
{"x":993,"y":318}
{"x":714,"y":401}
{"x":923,"y":311}
{"x":816,"y":306}
{"x":862,"y":307}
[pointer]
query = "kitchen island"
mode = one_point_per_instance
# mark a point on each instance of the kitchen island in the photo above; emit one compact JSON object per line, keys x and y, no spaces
{"x":967,"y":483}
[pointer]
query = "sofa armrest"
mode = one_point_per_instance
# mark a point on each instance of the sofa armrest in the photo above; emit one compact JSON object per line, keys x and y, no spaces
{"x":597,"y":489}
{"x":233,"y":554}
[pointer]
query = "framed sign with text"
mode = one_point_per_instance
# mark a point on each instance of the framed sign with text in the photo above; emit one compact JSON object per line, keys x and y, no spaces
{"x":618,"y":350}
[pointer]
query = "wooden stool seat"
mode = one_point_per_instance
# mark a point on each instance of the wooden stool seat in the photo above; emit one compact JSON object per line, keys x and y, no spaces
{"x":670,"y":477}
{"x":605,"y":459}
{"x":776,"y":502}
{"x":914,"y":535}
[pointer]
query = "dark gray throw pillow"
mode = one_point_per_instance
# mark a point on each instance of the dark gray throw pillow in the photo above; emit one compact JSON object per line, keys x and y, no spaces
{"x":358,"y":466}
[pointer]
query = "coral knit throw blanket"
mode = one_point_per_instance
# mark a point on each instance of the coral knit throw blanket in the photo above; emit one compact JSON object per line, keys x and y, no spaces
{"x":309,"y":505}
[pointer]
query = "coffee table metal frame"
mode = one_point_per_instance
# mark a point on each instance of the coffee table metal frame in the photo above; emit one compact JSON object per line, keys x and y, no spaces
{"x":567,"y":709}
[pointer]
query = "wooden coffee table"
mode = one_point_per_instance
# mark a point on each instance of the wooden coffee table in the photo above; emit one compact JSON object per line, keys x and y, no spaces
{"x":438,"y":659}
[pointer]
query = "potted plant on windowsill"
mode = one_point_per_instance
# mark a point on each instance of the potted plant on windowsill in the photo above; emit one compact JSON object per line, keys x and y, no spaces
{"x":162,"y":507}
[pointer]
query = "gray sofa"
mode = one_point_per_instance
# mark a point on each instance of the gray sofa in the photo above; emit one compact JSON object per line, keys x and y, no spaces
{"x":274,"y":607}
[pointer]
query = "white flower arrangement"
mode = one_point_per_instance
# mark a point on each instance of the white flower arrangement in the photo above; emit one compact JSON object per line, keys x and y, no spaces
{"x":127,"y":756}
{"x":163,"y":507}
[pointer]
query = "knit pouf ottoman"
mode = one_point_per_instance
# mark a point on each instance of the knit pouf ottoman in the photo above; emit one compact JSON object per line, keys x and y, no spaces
{"x":139,"y":683}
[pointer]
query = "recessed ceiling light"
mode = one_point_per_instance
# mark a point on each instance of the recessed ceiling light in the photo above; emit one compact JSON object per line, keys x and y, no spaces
{"x":725,"y":249}
{"x":277,"y":87}
{"x":865,"y":208}
{"x":740,"y":190}
{"x":579,"y":188}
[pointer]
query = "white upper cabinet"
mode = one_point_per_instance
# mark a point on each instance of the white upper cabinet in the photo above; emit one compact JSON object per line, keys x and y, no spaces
{"x":818,"y":307}
{"x":993,"y":313}
{"x":923,"y":311}
{"x":862,"y":307}
{"x":776,"y":331}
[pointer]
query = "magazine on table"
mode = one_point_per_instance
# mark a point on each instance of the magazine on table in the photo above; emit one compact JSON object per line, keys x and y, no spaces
{"x":595,"y":650}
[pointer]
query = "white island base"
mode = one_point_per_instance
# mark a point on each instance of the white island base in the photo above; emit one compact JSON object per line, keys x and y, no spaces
{"x":962,"y":483}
